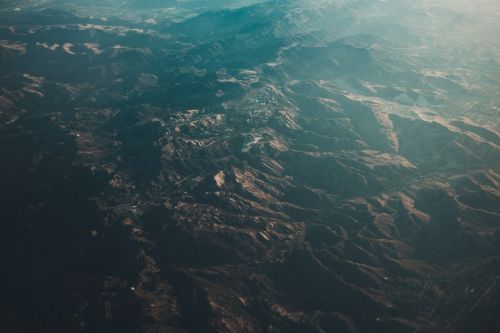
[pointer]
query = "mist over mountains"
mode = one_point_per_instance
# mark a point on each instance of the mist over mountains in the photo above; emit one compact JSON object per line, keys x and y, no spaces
{"x":250,"y":166}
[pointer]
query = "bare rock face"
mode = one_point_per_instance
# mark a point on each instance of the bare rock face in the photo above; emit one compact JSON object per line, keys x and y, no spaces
{"x":248,"y":167}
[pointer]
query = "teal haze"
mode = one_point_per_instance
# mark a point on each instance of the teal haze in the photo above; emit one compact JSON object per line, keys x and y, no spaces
{"x":249,"y":166}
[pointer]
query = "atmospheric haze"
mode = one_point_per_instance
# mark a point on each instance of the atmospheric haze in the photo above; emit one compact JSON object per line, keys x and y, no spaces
{"x":250,"y":166}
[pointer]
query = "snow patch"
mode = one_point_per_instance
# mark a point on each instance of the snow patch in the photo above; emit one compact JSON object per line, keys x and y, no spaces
{"x":67,"y":48}
{"x":52,"y":47}
{"x":93,"y":47}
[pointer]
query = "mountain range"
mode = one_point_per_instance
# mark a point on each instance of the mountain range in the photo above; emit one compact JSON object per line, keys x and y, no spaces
{"x":247,"y":166}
